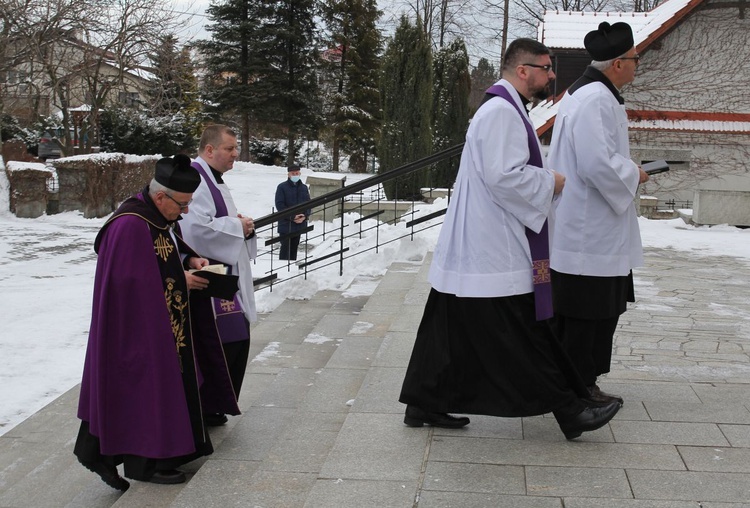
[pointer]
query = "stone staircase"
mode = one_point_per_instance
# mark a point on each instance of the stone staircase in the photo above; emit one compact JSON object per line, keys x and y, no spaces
{"x":322,"y":426}
{"x":320,"y":375}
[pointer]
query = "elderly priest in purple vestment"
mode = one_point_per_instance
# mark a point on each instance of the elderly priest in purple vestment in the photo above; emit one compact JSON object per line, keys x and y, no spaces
{"x":485,"y":344}
{"x":139,"y":401}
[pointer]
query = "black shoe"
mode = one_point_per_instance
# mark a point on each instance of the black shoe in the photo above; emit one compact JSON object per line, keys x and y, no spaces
{"x":107,"y":473}
{"x":597,"y":396}
{"x":589,"y":419}
{"x":168,"y":477}
{"x":214,"y":419}
{"x":416,"y":417}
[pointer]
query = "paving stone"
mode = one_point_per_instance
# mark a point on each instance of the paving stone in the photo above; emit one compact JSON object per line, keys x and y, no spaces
{"x":738,"y":435}
{"x":338,"y":493}
{"x":437,"y":499}
{"x":355,"y":352}
{"x":395,"y":350}
{"x":687,"y":412}
{"x":689,"y":486}
{"x":551,"y":453}
{"x":380,"y":391}
{"x":333,"y":390}
{"x":482,"y":478}
{"x":676,"y":433}
{"x":242,"y":486}
{"x":714,"y":458}
{"x":582,"y":502}
{"x":376,"y":447}
{"x":577,"y":481}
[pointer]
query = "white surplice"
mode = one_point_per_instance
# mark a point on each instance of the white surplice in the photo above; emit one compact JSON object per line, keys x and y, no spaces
{"x":595,"y":222}
{"x":221,"y":238}
{"x":482,"y":250}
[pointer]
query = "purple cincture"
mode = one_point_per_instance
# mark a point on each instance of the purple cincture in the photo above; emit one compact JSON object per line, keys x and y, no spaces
{"x":538,"y":242}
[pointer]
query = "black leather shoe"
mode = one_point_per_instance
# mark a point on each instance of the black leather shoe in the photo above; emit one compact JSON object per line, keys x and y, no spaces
{"x":107,"y":473}
{"x":214,"y":419}
{"x":589,"y":419}
{"x":416,"y":417}
{"x":168,"y":477}
{"x":597,"y":396}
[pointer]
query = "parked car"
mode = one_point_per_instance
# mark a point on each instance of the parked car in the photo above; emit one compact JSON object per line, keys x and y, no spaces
{"x":49,"y":147}
{"x":52,"y":141}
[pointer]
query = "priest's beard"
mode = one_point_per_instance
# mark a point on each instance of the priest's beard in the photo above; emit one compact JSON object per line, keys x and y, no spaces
{"x":542,"y":93}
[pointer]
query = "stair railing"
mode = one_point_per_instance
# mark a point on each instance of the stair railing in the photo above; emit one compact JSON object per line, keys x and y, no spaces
{"x":367,"y":200}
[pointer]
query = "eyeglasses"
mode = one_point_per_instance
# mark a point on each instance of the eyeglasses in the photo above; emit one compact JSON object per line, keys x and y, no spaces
{"x":636,"y":58}
{"x":545,"y":68}
{"x":183,"y":206}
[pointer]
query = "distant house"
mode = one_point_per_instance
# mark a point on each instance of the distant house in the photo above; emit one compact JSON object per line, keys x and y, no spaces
{"x":690,"y":101}
{"x":67,"y":75}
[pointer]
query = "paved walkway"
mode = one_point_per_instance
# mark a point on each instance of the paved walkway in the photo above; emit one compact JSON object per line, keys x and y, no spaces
{"x":322,"y":427}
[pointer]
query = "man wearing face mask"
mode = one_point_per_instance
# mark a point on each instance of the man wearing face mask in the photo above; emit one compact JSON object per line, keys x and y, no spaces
{"x":290,"y":193}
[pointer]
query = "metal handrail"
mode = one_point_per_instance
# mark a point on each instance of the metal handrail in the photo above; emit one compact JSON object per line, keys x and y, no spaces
{"x":359,"y":186}
{"x":308,"y":264}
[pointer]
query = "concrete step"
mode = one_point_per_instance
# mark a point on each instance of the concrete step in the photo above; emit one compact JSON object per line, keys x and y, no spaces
{"x":303,"y":383}
{"x":37,"y":465}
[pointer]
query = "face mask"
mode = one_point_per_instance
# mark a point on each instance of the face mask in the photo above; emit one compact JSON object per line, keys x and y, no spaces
{"x":294,"y":179}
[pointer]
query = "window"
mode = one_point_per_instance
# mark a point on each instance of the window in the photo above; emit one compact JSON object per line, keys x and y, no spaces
{"x":131,"y":99}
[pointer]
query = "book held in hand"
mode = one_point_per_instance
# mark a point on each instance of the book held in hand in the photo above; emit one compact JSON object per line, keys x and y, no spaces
{"x":220,"y":285}
{"x":655,"y":167}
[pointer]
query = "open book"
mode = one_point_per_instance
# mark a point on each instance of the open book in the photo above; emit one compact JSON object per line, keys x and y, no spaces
{"x":220,"y":285}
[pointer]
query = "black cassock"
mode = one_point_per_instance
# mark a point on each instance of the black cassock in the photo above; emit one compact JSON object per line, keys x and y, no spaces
{"x":489,"y":356}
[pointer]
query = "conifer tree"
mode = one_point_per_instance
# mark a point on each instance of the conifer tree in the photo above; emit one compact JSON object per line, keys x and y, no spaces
{"x":175,"y":87}
{"x":406,"y":97}
{"x":288,"y":80}
{"x":231,"y":55}
{"x":351,"y":70}
{"x":450,"y":107}
{"x":483,"y":76}
{"x":174,"y":97}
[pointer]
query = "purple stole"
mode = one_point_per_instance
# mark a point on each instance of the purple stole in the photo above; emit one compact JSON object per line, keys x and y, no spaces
{"x":230,"y":321}
{"x":538,"y":242}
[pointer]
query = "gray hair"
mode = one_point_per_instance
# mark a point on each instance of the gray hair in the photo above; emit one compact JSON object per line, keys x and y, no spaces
{"x":155,"y":187}
{"x":605,"y":64}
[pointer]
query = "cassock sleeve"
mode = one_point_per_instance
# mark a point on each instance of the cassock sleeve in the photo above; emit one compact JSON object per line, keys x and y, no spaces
{"x":595,"y":137}
{"x":218,"y":238}
{"x":523,"y":190}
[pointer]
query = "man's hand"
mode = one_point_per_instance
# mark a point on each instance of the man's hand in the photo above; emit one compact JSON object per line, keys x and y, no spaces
{"x":197,"y":263}
{"x":643,"y":176}
{"x":193,"y":281}
{"x":559,"y":182}
{"x":299,"y":218}
{"x":248,"y":227}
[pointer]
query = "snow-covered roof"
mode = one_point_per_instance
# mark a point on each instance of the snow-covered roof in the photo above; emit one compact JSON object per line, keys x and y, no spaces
{"x":690,"y":126}
{"x":543,"y":112}
{"x":566,"y":29}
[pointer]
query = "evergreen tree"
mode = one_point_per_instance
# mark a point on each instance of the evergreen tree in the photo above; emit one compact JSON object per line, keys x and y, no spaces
{"x":290,"y":93}
{"x":176,"y":87}
{"x":351,"y":66}
{"x":450,"y":107}
{"x":262,"y":58}
{"x":483,"y":76}
{"x":231,"y":57}
{"x":174,"y":96}
{"x":406,"y":97}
